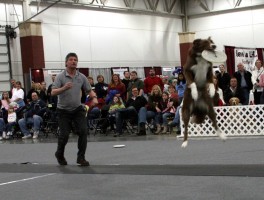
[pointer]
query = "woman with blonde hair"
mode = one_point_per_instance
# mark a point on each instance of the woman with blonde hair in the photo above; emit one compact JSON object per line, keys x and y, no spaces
{"x":154,"y":107}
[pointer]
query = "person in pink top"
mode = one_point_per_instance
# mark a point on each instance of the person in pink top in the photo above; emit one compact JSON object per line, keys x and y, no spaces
{"x":152,"y":80}
{"x":5,"y":101}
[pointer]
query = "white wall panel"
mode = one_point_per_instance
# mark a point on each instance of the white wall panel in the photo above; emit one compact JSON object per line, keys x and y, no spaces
{"x":75,"y":39}
{"x":51,"y":42}
{"x":258,"y":35}
{"x":49,"y":16}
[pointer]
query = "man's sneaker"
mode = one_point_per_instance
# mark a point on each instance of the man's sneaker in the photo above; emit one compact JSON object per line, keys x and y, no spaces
{"x":82,"y":162}
{"x":60,"y":158}
{"x":35,"y":134}
{"x":26,"y":136}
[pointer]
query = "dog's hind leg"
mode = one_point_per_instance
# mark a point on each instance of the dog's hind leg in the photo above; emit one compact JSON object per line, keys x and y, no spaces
{"x":186,"y":118}
{"x":212,"y":117}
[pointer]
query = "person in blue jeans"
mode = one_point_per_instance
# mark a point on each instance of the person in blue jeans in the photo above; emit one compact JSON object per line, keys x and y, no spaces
{"x":33,"y":116}
{"x":135,"y":109}
{"x":2,"y":129}
{"x":176,"y":121}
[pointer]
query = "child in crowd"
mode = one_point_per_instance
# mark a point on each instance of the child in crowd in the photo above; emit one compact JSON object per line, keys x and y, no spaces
{"x":168,"y":110}
{"x":116,"y":105}
{"x":11,"y":121}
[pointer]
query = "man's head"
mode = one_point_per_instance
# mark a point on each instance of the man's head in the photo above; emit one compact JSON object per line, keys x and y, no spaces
{"x":71,"y":60}
{"x":233,"y":82}
{"x":133,"y":75}
{"x":13,"y":82}
{"x":258,"y":64}
{"x":222,"y":68}
{"x":53,"y":76}
{"x":126,"y":74}
{"x":34,"y":96}
{"x":152,"y":72}
{"x":135,"y":91}
{"x":240,"y":67}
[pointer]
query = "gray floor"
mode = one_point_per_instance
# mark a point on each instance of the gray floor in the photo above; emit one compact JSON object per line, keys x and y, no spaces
{"x":151,"y":167}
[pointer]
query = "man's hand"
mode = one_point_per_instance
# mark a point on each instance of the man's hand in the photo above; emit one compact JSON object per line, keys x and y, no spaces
{"x":68,"y":85}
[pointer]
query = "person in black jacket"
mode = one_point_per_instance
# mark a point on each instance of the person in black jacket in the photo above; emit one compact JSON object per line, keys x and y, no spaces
{"x":33,"y":115}
{"x":244,"y":81}
{"x":223,"y":78}
{"x":135,"y":109}
{"x":234,"y":91}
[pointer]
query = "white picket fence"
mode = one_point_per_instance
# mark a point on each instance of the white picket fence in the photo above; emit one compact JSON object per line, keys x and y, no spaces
{"x":233,"y":121}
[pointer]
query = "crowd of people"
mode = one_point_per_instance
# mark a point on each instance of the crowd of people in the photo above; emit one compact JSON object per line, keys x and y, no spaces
{"x":153,"y":100}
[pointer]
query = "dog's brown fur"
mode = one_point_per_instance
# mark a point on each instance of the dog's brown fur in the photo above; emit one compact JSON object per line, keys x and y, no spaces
{"x":198,"y":109}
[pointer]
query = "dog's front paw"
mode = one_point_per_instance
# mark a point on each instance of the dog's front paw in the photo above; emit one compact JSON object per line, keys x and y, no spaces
{"x":211,"y":90}
{"x":194,"y":91}
{"x":184,"y":144}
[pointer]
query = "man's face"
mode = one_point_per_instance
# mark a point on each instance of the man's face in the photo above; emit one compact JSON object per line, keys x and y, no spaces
{"x":53,"y":77}
{"x":71,"y":63}
{"x":34,"y":96}
{"x":233,"y":82}
{"x":127,"y":75}
{"x":258,"y":64}
{"x":135,"y":92}
{"x":222,"y":68}
{"x":133,"y":76}
{"x":152,"y":72}
{"x":240,"y":67}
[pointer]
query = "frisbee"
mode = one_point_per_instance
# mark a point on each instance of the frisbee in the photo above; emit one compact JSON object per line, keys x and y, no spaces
{"x":216,"y":56}
{"x":119,"y":146}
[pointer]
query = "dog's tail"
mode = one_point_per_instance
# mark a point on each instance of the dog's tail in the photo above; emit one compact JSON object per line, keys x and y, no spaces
{"x":200,"y":110}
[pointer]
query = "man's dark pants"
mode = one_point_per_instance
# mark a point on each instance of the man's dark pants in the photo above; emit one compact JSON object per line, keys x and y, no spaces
{"x":65,"y":119}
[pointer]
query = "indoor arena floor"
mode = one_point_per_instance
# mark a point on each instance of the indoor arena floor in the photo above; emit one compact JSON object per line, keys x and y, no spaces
{"x":147,"y":167}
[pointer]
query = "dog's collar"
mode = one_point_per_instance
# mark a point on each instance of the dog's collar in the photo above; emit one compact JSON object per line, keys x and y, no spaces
{"x":199,"y":54}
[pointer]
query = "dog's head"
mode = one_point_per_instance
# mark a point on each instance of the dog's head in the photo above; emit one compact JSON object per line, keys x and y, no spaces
{"x":199,"y":45}
{"x":234,"y":101}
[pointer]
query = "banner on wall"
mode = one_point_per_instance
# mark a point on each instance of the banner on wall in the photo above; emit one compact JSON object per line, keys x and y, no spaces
{"x":246,"y":56}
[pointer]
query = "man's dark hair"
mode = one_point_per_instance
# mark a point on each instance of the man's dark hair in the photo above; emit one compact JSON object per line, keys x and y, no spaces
{"x":71,"y":55}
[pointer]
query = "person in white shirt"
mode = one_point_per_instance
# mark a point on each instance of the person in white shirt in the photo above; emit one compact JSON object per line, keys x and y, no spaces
{"x":18,"y":95}
{"x":11,"y":121}
{"x":256,"y":73}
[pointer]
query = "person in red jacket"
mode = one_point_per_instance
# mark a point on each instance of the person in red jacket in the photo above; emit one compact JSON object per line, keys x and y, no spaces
{"x":152,"y":80}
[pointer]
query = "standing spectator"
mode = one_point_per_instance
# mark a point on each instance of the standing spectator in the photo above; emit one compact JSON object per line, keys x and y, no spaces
{"x":135,"y":82}
{"x":244,"y":82}
{"x":43,"y":92}
{"x":256,"y":73}
{"x":223,"y":78}
{"x":152,"y":80}
{"x":52,"y":99}
{"x":91,"y":81}
{"x":5,"y":101}
{"x":18,"y":95}
{"x":13,"y":87}
{"x":181,"y":85}
{"x":115,"y":88}
{"x":126,"y":79}
{"x":67,"y":86}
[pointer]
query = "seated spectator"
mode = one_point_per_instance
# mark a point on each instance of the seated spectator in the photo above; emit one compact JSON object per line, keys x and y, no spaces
{"x":218,"y":97}
{"x":135,"y":109}
{"x":2,"y":129}
{"x":52,"y":100}
{"x":5,"y":101}
{"x":172,"y":93}
{"x":114,"y":107}
{"x":101,"y":90}
{"x":234,"y":91}
{"x":11,"y":121}
{"x":115,"y":88}
{"x":154,"y":107}
{"x":33,"y":115}
{"x":168,"y":110}
{"x":91,"y":81}
{"x":43,"y":92}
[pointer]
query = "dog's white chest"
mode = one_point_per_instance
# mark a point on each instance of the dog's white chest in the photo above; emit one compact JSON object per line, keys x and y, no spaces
{"x":200,"y":71}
